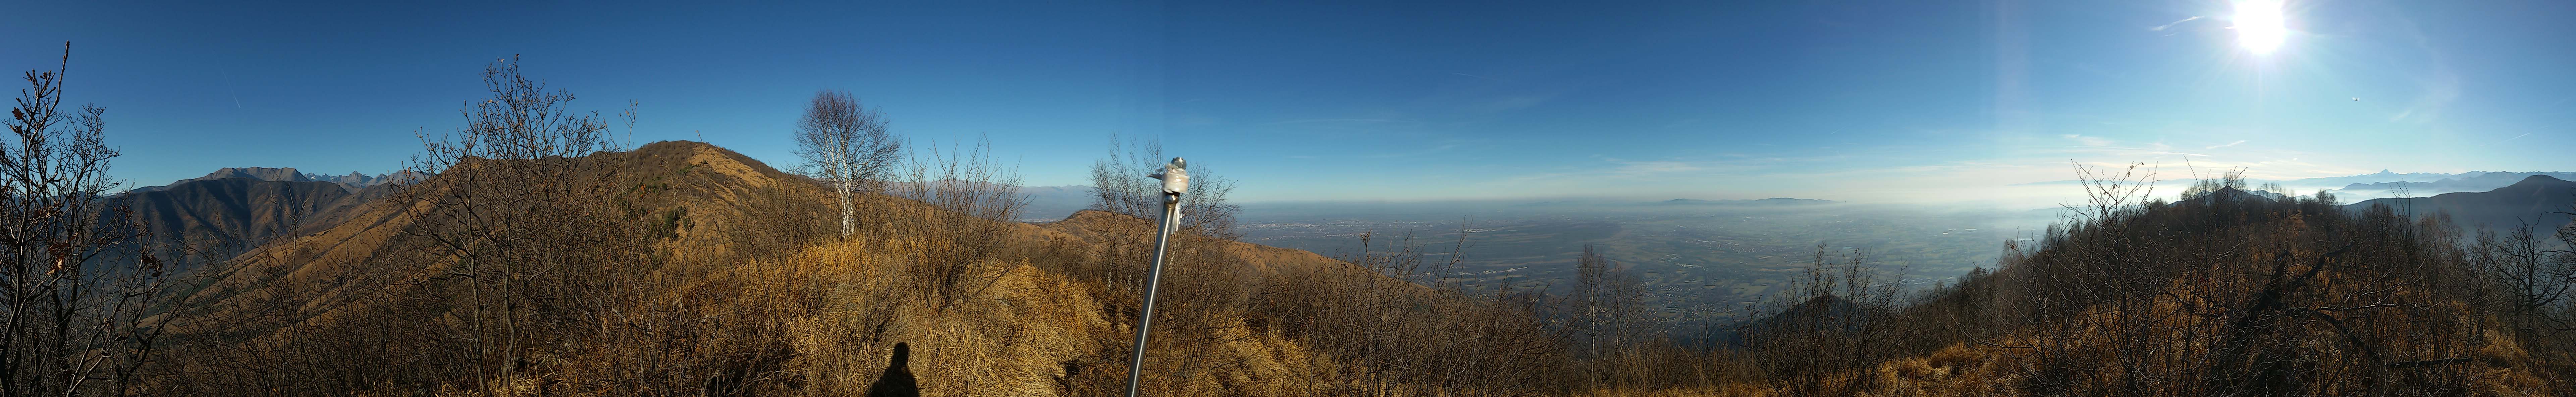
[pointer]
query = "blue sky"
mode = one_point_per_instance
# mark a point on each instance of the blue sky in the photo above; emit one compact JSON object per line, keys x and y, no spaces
{"x":1861,"y":101}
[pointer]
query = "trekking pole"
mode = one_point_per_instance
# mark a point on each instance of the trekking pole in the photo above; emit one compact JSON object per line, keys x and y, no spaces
{"x":1176,"y":180}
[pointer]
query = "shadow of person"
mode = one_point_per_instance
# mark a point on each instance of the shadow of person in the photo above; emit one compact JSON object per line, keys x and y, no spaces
{"x":897,"y":380}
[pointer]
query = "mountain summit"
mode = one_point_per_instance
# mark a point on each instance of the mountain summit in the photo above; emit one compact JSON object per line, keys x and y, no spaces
{"x":352,"y":182}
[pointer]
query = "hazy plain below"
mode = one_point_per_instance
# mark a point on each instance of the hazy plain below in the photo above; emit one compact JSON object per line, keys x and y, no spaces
{"x":1701,"y":261}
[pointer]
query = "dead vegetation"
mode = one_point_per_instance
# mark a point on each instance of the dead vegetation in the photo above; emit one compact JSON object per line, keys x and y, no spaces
{"x":2221,"y":293}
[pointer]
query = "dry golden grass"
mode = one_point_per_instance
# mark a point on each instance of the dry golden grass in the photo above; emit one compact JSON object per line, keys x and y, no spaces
{"x":1012,"y":339}
{"x":1955,"y":357}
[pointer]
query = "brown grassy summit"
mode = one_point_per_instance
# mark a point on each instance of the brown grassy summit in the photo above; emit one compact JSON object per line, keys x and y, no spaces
{"x":696,"y":268}
{"x":679,"y":185}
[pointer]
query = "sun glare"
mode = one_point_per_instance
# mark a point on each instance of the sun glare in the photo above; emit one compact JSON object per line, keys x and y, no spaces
{"x":2259,"y":25}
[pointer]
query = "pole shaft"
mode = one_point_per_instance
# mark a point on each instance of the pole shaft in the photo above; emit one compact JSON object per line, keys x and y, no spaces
{"x":1153,"y":278}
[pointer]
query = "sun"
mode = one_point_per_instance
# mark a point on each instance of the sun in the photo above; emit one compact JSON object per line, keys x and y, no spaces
{"x":2259,"y":25}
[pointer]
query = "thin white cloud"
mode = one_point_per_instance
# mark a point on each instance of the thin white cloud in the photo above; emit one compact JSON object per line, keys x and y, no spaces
{"x":1642,"y":168}
{"x":2088,"y":140}
{"x":2508,"y":139}
{"x":1343,"y":121}
{"x":2226,"y":145}
{"x":1514,"y":102}
{"x":2171,"y":25}
{"x":1425,"y":151}
{"x":2439,"y":92}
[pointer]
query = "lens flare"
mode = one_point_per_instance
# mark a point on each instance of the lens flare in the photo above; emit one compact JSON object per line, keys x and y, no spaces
{"x":2259,"y":25}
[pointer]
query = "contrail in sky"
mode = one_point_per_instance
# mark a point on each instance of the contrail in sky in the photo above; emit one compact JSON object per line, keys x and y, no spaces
{"x":2171,"y":25}
{"x":2508,"y":139}
{"x":1475,"y":76}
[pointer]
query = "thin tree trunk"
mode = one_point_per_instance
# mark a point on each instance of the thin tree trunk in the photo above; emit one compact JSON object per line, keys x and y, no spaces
{"x":846,"y":211}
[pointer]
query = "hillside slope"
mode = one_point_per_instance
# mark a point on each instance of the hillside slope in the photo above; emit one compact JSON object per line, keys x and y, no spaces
{"x":2205,"y":297}
{"x":990,"y":308}
{"x":658,"y":179}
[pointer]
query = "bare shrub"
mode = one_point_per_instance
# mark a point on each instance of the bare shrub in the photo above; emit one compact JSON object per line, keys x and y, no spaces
{"x":1118,"y":186}
{"x":515,"y":225}
{"x":1402,"y":328}
{"x":2536,"y":283}
{"x":968,"y":220}
{"x":1824,"y":333}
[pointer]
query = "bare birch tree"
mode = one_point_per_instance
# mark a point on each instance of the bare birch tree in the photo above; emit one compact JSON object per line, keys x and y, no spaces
{"x":847,"y":146}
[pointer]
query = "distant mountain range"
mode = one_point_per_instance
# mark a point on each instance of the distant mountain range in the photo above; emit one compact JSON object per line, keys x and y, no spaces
{"x":202,"y":220}
{"x":1774,"y":201}
{"x":2541,"y":199}
{"x":1048,"y":203}
{"x":2476,"y":181}
{"x":2383,"y":184}
{"x":1807,"y":316}
{"x":351,"y":182}
{"x":1679,"y":202}
{"x":199,"y":220}
{"x":2381,"y":176}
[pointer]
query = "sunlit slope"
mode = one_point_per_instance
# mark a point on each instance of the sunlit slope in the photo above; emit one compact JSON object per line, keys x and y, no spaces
{"x":371,"y":248}
{"x":1040,"y":317}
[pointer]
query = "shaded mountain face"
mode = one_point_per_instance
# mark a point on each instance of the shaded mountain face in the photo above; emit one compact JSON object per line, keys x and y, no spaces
{"x":1826,"y":311}
{"x":2538,"y":199}
{"x":200,"y":221}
